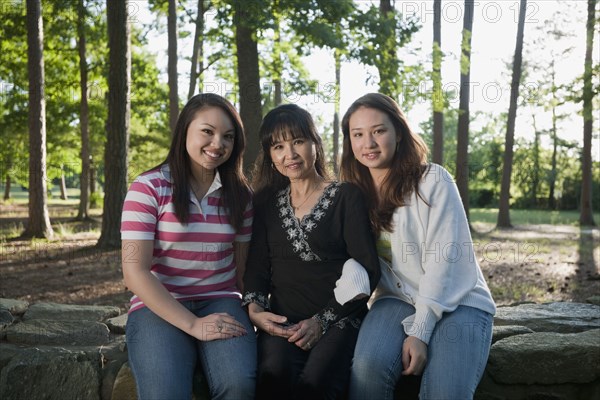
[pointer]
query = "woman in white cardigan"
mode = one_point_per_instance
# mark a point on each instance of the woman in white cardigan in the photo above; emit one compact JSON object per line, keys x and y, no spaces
{"x":432,"y":312}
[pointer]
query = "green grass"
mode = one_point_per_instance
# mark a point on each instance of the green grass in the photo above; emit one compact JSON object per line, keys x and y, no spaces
{"x":528,"y":217}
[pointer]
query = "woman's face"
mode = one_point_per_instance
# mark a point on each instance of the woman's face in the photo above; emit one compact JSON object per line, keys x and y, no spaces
{"x":210,"y":139}
{"x":294,"y":158}
{"x":373,"y":138}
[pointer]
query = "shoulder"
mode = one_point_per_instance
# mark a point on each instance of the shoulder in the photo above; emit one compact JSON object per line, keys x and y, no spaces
{"x":349,"y":192}
{"x":436,"y":175}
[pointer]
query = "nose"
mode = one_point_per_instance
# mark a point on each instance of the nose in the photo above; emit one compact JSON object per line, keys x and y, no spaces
{"x":290,"y":151}
{"x":217,"y":141}
{"x":370,"y":141}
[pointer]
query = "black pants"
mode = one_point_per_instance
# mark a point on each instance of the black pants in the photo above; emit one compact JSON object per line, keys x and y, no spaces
{"x":285,"y":371}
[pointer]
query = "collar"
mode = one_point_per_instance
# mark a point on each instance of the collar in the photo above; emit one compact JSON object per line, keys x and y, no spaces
{"x":216,"y":184}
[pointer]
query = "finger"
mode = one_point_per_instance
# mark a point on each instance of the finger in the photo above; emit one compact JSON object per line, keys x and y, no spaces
{"x":405,"y":360}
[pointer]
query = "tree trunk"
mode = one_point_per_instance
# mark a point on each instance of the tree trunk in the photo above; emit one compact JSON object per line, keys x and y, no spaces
{"x":336,"y":111}
{"x":197,"y":51}
{"x":587,"y":217}
{"x":172,"y":65}
{"x":7,"y":188}
{"x":504,"y":204}
{"x":438,"y":97}
{"x":84,"y":180}
{"x":553,"y":171}
{"x":249,"y":82}
{"x":39,"y":220}
{"x":535,"y":181}
{"x":63,"y":184}
{"x":117,"y":127}
{"x":388,"y":67}
{"x":462,"y":142}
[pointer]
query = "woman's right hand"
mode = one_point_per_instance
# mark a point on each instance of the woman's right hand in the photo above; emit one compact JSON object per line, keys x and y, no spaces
{"x":216,"y":326}
{"x":269,"y":322}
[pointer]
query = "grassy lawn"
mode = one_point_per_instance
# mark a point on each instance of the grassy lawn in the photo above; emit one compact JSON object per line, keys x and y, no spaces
{"x":528,"y":217}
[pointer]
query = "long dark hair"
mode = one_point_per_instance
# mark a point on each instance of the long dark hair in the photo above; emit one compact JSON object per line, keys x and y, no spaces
{"x":408,"y":164}
{"x":236,"y":191}
{"x":283,"y":122}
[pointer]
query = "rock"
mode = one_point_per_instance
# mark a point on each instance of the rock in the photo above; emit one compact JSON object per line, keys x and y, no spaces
{"x":51,"y":374}
{"x":15,"y":307}
{"x":551,"y":317}
{"x":502,"y":332}
{"x":546,"y":358}
{"x":124,"y":387}
{"x":49,"y":332}
{"x":6,"y":318}
{"x":117,"y":324}
{"x":53,"y":311}
{"x":593,"y":300}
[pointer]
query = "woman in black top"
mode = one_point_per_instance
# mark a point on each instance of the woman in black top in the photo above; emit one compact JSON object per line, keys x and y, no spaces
{"x":305,"y":228}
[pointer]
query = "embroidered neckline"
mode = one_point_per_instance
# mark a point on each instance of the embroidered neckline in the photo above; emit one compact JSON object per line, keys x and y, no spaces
{"x":297,"y":230}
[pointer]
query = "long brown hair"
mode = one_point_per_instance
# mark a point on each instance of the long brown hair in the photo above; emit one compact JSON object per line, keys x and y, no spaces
{"x":236,"y":191}
{"x":408,"y":164}
{"x":284,"y":121}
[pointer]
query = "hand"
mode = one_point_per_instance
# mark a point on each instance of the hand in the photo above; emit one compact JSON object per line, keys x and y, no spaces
{"x":217,"y":326}
{"x":307,"y":334}
{"x":269,"y":322}
{"x":414,"y":356}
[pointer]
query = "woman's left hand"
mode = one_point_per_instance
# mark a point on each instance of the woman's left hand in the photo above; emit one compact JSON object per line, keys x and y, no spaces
{"x":308,"y":334}
{"x":414,"y":356}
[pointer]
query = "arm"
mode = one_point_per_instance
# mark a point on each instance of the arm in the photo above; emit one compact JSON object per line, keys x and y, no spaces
{"x":360,"y":245}
{"x":257,"y":280}
{"x":240,"y":255}
{"x":137,"y":259}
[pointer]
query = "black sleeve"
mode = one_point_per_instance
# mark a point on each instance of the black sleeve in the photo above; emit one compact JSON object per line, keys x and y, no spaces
{"x":257,"y":277}
{"x":360,"y":245}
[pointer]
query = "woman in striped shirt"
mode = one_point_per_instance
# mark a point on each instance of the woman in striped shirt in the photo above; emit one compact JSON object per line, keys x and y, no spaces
{"x":186,"y":226}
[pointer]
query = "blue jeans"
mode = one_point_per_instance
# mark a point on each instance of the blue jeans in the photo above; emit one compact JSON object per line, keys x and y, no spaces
{"x":163,"y":358}
{"x":456,"y":355}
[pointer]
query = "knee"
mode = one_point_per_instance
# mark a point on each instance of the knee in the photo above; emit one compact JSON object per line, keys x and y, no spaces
{"x":241,"y":386}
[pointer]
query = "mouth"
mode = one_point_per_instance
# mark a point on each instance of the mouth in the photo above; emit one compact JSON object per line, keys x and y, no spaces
{"x":213,"y":155}
{"x":371,"y":156}
{"x":293,"y":165}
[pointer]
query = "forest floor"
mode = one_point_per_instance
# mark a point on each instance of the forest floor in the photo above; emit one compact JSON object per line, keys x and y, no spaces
{"x":528,"y":263}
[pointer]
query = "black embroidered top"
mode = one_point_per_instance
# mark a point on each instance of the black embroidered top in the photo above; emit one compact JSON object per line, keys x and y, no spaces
{"x":293,"y":264}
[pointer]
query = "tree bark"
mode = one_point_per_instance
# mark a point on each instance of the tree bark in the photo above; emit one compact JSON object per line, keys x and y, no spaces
{"x":7,"y":187}
{"x":336,"y":112}
{"x":84,"y":180}
{"x":63,"y":184}
{"x":117,"y":129}
{"x":438,"y":97}
{"x":39,"y":219}
{"x":504,"y":204}
{"x":197,"y":51}
{"x":388,"y":67}
{"x":172,"y":65}
{"x":462,"y":143}
{"x":586,"y":216}
{"x":249,"y":82}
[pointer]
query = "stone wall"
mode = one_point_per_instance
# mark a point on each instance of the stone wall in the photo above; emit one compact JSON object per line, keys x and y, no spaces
{"x":54,"y":351}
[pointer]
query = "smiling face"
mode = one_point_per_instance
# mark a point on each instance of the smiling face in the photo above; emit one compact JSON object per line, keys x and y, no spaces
{"x":210,"y":139}
{"x":293,"y":157}
{"x":373,"y":139}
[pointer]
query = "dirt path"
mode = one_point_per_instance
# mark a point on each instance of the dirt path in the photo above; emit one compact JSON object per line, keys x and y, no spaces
{"x":539,"y":263}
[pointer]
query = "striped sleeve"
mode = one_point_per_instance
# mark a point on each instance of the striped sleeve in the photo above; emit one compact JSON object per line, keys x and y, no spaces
{"x":140,"y":210}
{"x":245,"y":233}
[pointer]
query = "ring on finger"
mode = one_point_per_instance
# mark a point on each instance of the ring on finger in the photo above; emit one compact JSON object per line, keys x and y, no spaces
{"x":219,"y":328}
{"x":308,"y":344}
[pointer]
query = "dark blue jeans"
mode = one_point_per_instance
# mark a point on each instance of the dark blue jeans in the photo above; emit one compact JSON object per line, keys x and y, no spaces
{"x":163,"y":358}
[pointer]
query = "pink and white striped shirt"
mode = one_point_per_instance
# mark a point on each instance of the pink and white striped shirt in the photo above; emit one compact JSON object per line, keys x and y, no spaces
{"x":193,"y":261}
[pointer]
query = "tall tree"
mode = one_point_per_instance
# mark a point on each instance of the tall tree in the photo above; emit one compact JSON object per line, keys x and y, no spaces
{"x":84,"y":198}
{"x":438,"y":98}
{"x":172,"y":65}
{"x":586,"y":216}
{"x":248,"y":75}
{"x":39,"y":220}
{"x":462,"y":144}
{"x":198,"y":49}
{"x":117,"y":127}
{"x":389,"y":68}
{"x":336,"y":111}
{"x":504,"y":203}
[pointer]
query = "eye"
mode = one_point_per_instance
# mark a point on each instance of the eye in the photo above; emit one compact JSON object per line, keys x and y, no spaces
{"x":299,"y":141}
{"x":276,"y":147}
{"x":207,"y":131}
{"x":357,"y":134}
{"x":380,"y":130}
{"x":230,"y":137}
